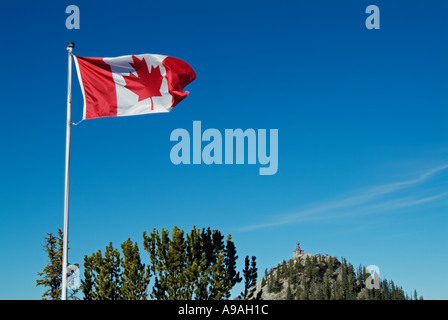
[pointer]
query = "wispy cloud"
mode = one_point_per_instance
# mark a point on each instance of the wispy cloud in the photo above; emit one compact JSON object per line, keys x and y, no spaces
{"x":372,"y":200}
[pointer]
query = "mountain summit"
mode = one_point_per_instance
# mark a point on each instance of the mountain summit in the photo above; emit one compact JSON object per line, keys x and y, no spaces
{"x":322,"y":277}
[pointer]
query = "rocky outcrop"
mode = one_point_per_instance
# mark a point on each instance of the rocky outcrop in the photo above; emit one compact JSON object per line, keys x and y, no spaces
{"x":311,"y":276}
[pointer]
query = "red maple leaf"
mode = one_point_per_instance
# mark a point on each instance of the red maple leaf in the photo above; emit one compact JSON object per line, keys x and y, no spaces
{"x":146,"y":84}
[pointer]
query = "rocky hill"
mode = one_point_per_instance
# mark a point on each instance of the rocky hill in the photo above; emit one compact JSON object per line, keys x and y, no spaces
{"x":317,"y":277}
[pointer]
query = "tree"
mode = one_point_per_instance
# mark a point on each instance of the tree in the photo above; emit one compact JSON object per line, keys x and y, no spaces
{"x":103,"y":275}
{"x":232,"y":277}
{"x":52,"y":273}
{"x":250,"y":276}
{"x":168,"y":264}
{"x":298,"y":293}
{"x":276,"y":285}
{"x":352,"y":285}
{"x":305,"y":291}
{"x":415,"y":296}
{"x":264,"y":279}
{"x":112,"y":277}
{"x":289,"y":294}
{"x":135,"y":277}
{"x":202,"y":266}
{"x":87,"y":285}
{"x":197,"y":265}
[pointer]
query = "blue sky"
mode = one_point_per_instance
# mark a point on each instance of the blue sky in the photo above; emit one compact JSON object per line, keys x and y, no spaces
{"x":361,"y":116}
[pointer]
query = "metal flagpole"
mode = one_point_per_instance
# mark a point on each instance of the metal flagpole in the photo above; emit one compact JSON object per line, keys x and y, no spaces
{"x":70,"y":47}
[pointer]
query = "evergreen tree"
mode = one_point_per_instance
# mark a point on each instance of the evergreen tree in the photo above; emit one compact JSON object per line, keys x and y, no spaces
{"x":264,"y":279}
{"x":135,"y":277}
{"x":385,"y":290}
{"x":326,"y":286}
{"x":52,"y":273}
{"x":360,"y":274}
{"x":298,"y":295}
{"x":276,"y":284}
{"x":111,"y":277}
{"x":88,"y":283}
{"x":352,"y":284}
{"x":338,"y":294}
{"x":289,"y":294}
{"x":201,"y":267}
{"x":250,"y":276}
{"x":108,"y":274}
{"x":270,"y":283}
{"x":175,"y":264}
{"x":319,"y":291}
{"x":305,"y":290}
{"x":194,"y":262}
{"x":232,"y":277}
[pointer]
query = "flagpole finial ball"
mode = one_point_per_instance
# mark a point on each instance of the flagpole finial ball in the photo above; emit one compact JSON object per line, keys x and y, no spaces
{"x":71,"y":45}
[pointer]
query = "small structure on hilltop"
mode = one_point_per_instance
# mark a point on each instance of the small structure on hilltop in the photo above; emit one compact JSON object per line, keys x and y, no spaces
{"x":298,"y":252}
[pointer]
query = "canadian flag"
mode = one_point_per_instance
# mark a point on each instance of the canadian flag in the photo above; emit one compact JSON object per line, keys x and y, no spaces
{"x":132,"y":85}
